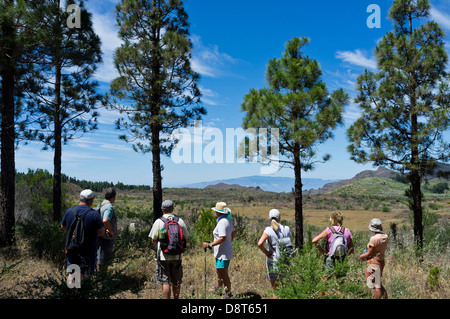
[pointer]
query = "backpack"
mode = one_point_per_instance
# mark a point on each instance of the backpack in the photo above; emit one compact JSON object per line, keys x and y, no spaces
{"x":175,"y":242}
{"x":284,"y":246}
{"x":338,"y":245}
{"x":76,"y":238}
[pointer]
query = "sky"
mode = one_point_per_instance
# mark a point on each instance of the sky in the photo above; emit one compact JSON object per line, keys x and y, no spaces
{"x":233,"y":42}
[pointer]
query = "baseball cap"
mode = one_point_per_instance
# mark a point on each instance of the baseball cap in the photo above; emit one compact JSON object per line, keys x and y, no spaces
{"x":274,"y":213}
{"x":87,"y":194}
{"x":167,"y":205}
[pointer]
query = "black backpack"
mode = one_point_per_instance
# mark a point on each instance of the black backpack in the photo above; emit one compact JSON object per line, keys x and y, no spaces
{"x":175,"y":242}
{"x":76,"y":238}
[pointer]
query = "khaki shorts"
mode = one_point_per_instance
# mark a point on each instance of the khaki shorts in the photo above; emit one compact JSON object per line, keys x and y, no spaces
{"x":169,"y":271}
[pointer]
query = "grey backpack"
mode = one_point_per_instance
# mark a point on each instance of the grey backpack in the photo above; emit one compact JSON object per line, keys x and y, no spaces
{"x":284,"y":246}
{"x":338,"y":244}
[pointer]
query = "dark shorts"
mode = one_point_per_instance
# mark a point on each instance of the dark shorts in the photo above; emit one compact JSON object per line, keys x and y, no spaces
{"x":169,"y":271}
{"x":84,"y":261}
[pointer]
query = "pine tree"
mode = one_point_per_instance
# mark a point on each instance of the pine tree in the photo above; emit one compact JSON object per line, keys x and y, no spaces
{"x":63,"y":95}
{"x":17,"y":38}
{"x":405,"y":106}
{"x":157,"y":89}
{"x":297,"y":103}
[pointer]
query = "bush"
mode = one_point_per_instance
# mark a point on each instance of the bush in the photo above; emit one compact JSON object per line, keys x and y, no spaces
{"x":433,"y":278}
{"x":306,"y":279}
{"x":44,"y":239}
{"x":203,"y":227}
{"x":34,"y":195}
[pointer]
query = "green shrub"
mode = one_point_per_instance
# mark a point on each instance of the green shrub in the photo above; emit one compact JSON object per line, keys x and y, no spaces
{"x":203,"y":228}
{"x":433,"y":277}
{"x":45,"y":240}
{"x":306,"y":279}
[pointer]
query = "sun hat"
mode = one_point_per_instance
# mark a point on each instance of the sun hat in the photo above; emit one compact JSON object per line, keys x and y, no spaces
{"x":376,"y":225}
{"x":167,"y":205}
{"x":87,"y":194}
{"x":221,"y":208}
{"x":274,"y":213}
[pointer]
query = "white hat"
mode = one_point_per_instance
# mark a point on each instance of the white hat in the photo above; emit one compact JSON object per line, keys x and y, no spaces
{"x":167,"y":205}
{"x":221,"y":208}
{"x":87,"y":194}
{"x":274,"y":213}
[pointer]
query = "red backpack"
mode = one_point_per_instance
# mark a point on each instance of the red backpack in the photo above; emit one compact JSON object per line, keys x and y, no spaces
{"x":175,"y":242}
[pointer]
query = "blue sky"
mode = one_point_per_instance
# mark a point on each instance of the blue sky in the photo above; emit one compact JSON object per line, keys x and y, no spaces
{"x":233,"y":42}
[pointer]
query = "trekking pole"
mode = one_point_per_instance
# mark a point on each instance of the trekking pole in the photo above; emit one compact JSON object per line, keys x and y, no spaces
{"x":205,"y":266}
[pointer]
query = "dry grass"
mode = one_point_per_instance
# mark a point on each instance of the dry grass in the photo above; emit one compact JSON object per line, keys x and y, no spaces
{"x":135,"y":278}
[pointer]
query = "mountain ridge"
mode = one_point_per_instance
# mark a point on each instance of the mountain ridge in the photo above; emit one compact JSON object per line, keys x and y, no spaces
{"x":311,"y":186}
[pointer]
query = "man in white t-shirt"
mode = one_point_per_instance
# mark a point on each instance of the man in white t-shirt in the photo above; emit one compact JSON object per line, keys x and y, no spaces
{"x":168,"y":267}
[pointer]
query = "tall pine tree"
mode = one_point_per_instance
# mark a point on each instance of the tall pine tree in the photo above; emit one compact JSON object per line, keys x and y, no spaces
{"x":157,"y":89}
{"x":297,"y":103}
{"x":18,"y":37}
{"x":406,"y":105}
{"x":63,"y":94}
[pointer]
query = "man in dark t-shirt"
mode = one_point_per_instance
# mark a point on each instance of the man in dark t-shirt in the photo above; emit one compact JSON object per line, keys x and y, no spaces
{"x":94,"y":227}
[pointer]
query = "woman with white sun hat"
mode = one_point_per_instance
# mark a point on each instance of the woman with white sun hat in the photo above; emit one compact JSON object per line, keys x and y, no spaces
{"x":224,"y":234}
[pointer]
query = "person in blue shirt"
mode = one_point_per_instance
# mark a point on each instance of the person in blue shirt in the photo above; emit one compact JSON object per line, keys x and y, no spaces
{"x":94,"y":227}
{"x":105,"y":243}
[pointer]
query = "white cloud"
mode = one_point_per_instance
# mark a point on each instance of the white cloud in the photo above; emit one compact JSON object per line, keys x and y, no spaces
{"x":440,"y":17}
{"x":208,"y":60}
{"x":357,"y":58}
{"x":105,"y":27}
{"x":209,"y":97}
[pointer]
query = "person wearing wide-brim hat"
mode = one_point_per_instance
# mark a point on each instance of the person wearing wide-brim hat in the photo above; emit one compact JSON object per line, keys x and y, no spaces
{"x":223,"y":250}
{"x":375,"y":258}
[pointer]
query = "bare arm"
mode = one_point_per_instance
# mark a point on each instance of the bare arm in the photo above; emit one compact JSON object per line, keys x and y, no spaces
{"x":261,"y":241}
{"x":316,"y":239}
{"x":108,"y":226}
{"x":218,"y":241}
{"x":369,"y":255}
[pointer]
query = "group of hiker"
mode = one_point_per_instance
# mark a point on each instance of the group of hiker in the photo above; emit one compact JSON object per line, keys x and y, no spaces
{"x":169,"y":233}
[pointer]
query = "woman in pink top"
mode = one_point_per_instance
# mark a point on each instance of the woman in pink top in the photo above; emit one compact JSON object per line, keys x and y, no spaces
{"x":336,"y":219}
{"x":375,"y":258}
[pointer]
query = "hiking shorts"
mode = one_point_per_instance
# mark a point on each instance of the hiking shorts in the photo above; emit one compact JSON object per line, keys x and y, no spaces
{"x":169,"y":271}
{"x":222,"y":264}
{"x":272,"y":269}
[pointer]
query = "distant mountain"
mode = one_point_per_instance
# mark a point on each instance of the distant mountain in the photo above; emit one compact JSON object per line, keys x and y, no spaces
{"x":441,"y":170}
{"x":224,"y":186}
{"x":380,"y":172}
{"x":311,"y":186}
{"x":266,"y":183}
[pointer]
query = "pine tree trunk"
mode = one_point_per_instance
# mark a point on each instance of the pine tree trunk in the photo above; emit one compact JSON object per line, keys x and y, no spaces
{"x":156,"y":167}
{"x":58,"y":147}
{"x":417,"y":208}
{"x":415,"y":180}
{"x":8,"y":171}
{"x":298,"y":202}
{"x":58,"y":131}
